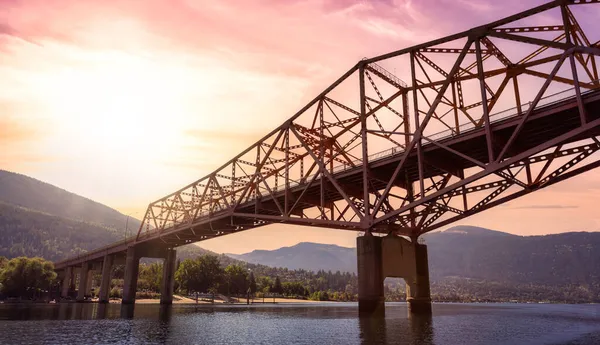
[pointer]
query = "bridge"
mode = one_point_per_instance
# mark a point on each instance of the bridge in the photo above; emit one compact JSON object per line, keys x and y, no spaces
{"x":464,"y":123}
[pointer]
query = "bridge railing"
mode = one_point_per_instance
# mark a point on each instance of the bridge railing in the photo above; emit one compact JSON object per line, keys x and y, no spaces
{"x":101,"y":249}
{"x":508,"y":113}
{"x":545,"y":101}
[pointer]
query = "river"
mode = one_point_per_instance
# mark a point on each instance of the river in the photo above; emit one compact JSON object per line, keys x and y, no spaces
{"x":314,"y":324}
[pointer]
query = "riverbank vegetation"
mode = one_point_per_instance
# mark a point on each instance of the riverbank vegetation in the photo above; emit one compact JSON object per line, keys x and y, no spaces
{"x":32,"y":278}
{"x":223,"y":275}
{"x":24,"y":277}
{"x":207,"y":274}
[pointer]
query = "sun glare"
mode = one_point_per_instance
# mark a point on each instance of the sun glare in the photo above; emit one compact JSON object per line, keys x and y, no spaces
{"x":119,"y":102}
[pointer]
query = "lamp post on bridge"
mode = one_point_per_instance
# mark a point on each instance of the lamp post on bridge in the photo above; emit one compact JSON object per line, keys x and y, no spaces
{"x":127,"y":223}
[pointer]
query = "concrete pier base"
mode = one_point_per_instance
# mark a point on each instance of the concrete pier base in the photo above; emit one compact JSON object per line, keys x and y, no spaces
{"x":418,"y":293}
{"x":391,"y":256}
{"x":132,"y":265}
{"x":168,"y":281}
{"x":83,"y":281}
{"x":370,"y":279}
{"x":106,"y":277}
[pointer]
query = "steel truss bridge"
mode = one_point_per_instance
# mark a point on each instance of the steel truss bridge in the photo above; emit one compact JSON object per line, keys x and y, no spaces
{"x":469,"y":122}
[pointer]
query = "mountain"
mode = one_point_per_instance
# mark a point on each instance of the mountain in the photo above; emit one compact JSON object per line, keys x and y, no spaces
{"x":39,"y":219}
{"x":28,"y":232}
{"x":549,"y":259}
{"x":305,"y":255}
{"x":23,"y":191}
{"x":468,"y":252}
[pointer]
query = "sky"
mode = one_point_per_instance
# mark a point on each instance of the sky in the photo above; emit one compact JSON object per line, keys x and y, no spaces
{"x":126,"y":101}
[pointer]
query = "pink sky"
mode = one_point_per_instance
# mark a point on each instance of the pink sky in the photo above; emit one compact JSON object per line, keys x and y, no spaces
{"x":126,"y":101}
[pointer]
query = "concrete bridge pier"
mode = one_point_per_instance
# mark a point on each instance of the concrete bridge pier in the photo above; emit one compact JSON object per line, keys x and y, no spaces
{"x":84,"y":272}
{"x":132,"y":265}
{"x":168,"y":281}
{"x":391,"y":256}
{"x":104,"y":293}
{"x":90,"y":282}
{"x":370,"y":279}
{"x":66,"y":282}
{"x":418,"y":294}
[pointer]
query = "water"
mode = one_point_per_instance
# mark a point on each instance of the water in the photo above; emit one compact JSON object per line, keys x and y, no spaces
{"x":312,"y":324}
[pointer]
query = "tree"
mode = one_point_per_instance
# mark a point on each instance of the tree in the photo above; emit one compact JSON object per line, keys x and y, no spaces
{"x":252,"y":283}
{"x":211,"y":273}
{"x":186,"y":275}
{"x":3,"y":262}
{"x":264,"y":284}
{"x":293,"y":289}
{"x":25,"y":277}
{"x":236,"y":277}
{"x":277,"y":286}
{"x":319,"y":296}
{"x":201,"y":274}
{"x":150,"y":277}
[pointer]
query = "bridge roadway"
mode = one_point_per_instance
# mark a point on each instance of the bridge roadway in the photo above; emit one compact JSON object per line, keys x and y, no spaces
{"x":547,"y":123}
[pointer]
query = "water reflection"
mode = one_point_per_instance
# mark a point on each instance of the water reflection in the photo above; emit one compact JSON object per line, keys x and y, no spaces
{"x":68,"y":323}
{"x":164,"y":313}
{"x":101,"y":311}
{"x":414,"y":329}
{"x":127,"y":311}
{"x":372,"y":330}
{"x":421,"y":328}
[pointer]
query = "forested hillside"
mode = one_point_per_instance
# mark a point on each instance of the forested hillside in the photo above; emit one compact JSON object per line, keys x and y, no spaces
{"x":38,"y":219}
{"x":26,"y":232}
{"x":24,"y":191}
{"x":558,"y":259}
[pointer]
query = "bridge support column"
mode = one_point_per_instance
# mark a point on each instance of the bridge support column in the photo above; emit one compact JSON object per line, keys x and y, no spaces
{"x":90,"y":281}
{"x":418,"y":294}
{"x":391,"y":256}
{"x":168,"y":281}
{"x":83,"y":281}
{"x":72,"y":284}
{"x":370,"y":279}
{"x":106,"y":276}
{"x":132,"y":265}
{"x":66,"y":283}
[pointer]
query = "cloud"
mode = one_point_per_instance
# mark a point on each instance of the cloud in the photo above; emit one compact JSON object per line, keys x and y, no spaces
{"x":13,"y":131}
{"x":5,"y":29}
{"x":7,"y":33}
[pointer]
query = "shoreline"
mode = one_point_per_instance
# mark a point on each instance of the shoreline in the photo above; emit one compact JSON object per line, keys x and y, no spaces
{"x":236,"y":301}
{"x":180,"y":300}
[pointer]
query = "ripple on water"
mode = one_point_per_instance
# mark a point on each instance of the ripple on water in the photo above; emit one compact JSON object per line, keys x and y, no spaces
{"x":298,"y":324}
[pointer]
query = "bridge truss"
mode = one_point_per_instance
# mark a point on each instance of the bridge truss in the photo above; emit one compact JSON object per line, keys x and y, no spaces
{"x":451,"y":134}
